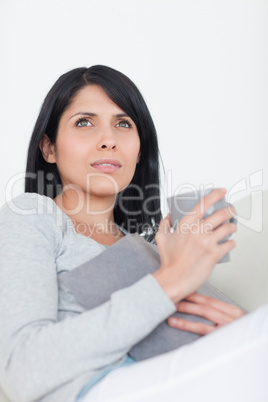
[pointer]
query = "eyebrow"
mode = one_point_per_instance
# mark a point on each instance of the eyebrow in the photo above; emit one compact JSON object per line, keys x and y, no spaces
{"x":94,"y":114}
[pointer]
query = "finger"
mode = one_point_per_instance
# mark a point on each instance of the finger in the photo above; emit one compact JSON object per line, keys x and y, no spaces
{"x":164,"y":226}
{"x":220,"y":216}
{"x":224,"y":230}
{"x":168,"y":217}
{"x":195,"y":327}
{"x":227,"y":308}
{"x":162,"y":233}
{"x":223,"y":249}
{"x":206,"y":311}
{"x":205,"y":203}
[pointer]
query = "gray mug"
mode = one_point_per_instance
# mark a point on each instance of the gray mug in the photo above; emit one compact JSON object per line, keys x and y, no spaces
{"x":181,"y":205}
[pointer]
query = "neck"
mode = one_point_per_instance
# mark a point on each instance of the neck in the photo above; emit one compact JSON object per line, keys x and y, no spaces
{"x":87,"y":210}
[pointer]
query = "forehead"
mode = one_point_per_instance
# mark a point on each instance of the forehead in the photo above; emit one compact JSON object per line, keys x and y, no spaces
{"x":93,"y":97}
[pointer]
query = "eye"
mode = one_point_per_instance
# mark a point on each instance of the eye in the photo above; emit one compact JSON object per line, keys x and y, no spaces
{"x":83,"y":123}
{"x":124,"y":123}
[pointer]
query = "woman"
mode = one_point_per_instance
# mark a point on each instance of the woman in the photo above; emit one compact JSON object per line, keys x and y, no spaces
{"x":92,"y":176}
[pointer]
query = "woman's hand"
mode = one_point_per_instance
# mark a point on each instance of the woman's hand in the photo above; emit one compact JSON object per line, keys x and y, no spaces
{"x":218,"y":312}
{"x":189,"y":254}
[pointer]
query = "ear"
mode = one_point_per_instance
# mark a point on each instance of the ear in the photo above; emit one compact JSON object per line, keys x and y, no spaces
{"x":47,"y":149}
{"x":138,"y":157}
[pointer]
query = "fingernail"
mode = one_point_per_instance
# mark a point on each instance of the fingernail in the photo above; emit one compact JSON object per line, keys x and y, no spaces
{"x":172,"y":321}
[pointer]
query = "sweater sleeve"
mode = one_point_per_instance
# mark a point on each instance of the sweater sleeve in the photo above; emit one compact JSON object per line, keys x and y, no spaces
{"x":38,"y":353}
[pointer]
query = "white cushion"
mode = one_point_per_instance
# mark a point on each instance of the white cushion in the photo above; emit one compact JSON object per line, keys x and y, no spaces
{"x":245,"y":278}
{"x":3,"y":397}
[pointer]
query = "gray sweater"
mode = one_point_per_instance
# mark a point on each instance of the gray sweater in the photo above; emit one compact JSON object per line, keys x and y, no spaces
{"x":50,"y":347}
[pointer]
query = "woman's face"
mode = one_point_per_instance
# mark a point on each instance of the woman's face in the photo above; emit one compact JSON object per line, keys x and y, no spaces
{"x":97,"y":145}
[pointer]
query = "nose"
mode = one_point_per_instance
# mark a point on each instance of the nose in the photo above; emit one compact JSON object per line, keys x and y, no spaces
{"x":107,"y":139}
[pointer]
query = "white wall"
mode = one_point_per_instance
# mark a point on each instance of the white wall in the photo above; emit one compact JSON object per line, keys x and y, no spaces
{"x":201,"y":66}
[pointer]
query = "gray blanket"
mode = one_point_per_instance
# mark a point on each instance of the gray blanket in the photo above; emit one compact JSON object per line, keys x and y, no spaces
{"x":121,"y":265}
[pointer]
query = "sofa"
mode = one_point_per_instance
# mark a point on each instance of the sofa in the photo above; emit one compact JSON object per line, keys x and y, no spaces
{"x":245,"y":278}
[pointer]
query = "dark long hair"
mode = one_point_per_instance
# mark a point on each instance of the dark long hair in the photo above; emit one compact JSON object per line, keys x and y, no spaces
{"x":141,"y":199}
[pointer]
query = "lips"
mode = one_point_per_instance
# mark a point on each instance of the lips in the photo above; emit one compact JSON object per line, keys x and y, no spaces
{"x":106,"y":165}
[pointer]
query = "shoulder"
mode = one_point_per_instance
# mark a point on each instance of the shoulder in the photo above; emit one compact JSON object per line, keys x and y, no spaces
{"x":31,"y":210}
{"x":26,"y":204}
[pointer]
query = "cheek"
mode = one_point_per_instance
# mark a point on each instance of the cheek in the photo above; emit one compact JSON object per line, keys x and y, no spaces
{"x":133,"y":150}
{"x":69,"y":150}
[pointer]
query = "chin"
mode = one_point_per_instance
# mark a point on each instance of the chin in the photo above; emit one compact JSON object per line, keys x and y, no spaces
{"x":102,"y":191}
{"x":105,"y":186}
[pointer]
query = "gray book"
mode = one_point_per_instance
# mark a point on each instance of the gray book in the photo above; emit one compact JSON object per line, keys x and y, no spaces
{"x":119,"y":266}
